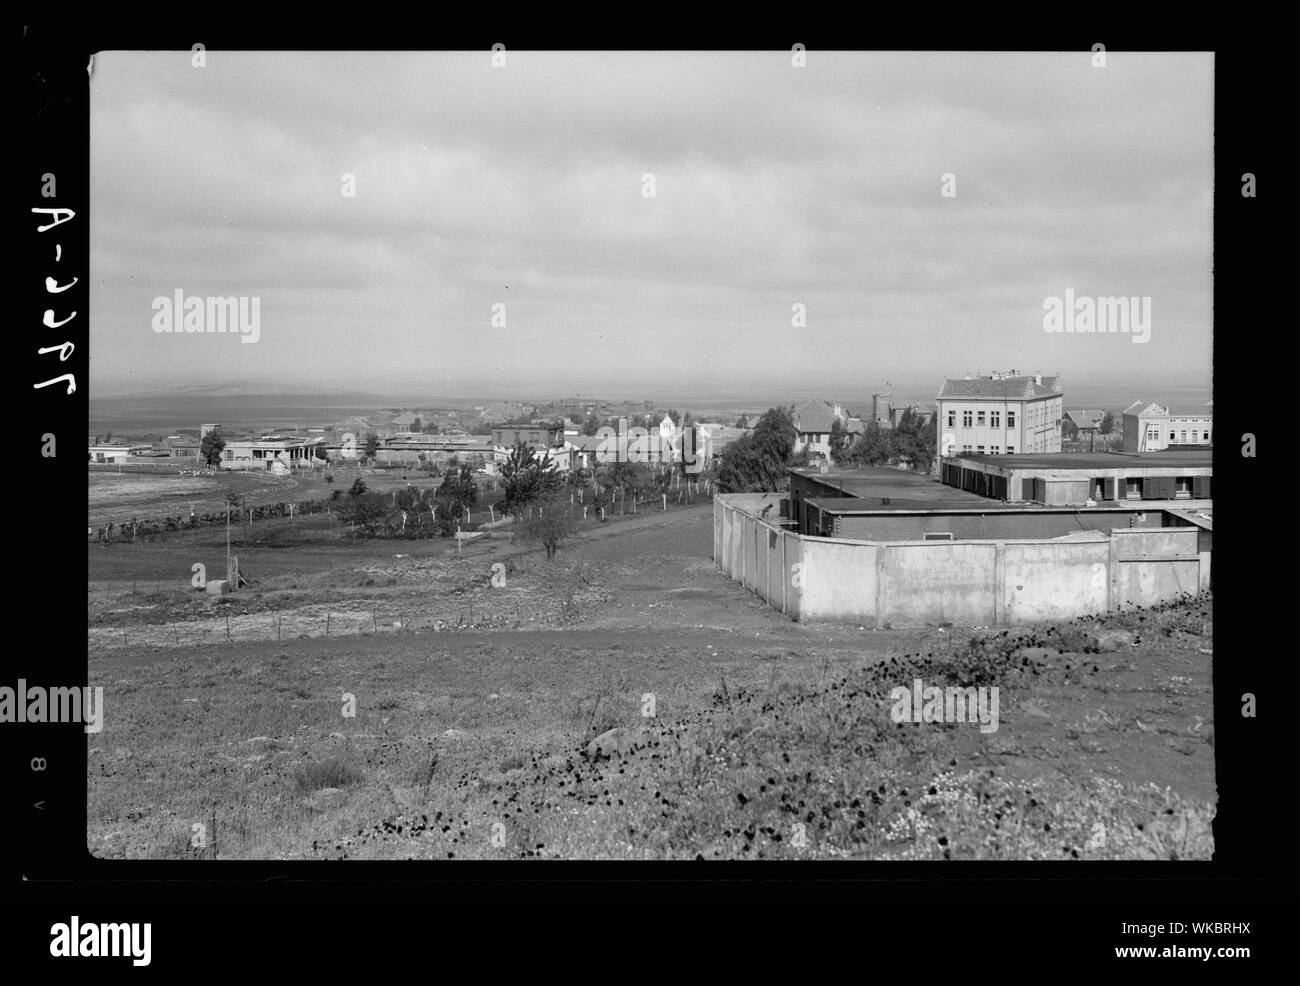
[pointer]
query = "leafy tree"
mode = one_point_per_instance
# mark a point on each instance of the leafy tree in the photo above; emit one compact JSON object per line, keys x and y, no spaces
{"x":742,"y":421}
{"x":916,"y":441}
{"x":840,"y":442}
{"x":321,"y":453}
{"x":757,"y":462}
{"x":871,"y":449}
{"x":1107,"y":423}
{"x":526,"y":478}
{"x":211,"y":447}
{"x":371,"y":447}
{"x":590,"y":425}
{"x":1068,"y":428}
{"x":365,"y":512}
{"x":458,"y":490}
{"x":358,"y":488}
{"x":549,"y":521}
{"x":418,"y":424}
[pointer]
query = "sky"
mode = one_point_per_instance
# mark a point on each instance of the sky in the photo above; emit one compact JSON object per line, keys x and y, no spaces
{"x":524,"y":187}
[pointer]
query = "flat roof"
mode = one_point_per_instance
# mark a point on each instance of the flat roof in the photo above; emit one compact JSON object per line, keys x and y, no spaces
{"x":842,"y":506}
{"x":897,"y":484}
{"x":1093,"y":460}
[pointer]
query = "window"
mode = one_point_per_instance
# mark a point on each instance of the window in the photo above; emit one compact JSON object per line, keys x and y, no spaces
{"x":965,"y":419}
{"x":979,"y":419}
{"x":1133,"y":489}
{"x":965,"y":448}
{"x":1171,"y":436}
{"x":1182,"y":439}
{"x":1183,"y":487}
{"x":1207,"y":436}
{"x":1011,"y":450}
{"x":1011,"y":419}
{"x":979,"y":449}
{"x":996,"y":449}
{"x":952,"y":419}
{"x":995,"y":419}
{"x":937,"y":536}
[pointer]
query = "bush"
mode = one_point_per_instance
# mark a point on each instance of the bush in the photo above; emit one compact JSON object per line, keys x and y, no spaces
{"x":334,"y":772}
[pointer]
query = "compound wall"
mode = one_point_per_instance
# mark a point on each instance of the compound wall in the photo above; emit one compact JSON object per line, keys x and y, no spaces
{"x":976,"y":583}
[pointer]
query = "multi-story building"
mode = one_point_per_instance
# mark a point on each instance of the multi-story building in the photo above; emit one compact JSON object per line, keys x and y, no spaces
{"x":1003,"y":413}
{"x":1152,"y":427}
{"x":813,"y":421}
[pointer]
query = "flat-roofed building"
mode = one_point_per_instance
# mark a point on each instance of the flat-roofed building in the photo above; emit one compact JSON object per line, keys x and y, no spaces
{"x":1074,"y":478}
{"x":545,"y":437}
{"x":273,"y":454}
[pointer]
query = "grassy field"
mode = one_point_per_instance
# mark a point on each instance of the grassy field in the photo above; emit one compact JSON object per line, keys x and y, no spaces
{"x":474,"y":706}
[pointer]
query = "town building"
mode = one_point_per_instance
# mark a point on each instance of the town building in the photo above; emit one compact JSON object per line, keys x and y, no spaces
{"x":1152,"y":427}
{"x":813,"y":422}
{"x":1002,"y":413}
{"x":540,"y":436}
{"x":116,"y":453}
{"x":1078,"y":478}
{"x":272,"y":453}
{"x":884,"y":548}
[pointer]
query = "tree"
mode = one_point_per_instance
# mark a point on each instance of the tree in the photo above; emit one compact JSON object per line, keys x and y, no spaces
{"x":358,"y":488}
{"x":590,"y":425}
{"x":418,"y":424}
{"x":365,"y":512}
{"x":840,"y":442}
{"x":1107,"y":423}
{"x":372,"y":447}
{"x":211,"y":447}
{"x":548,"y":522}
{"x":757,"y":462}
{"x":742,"y":421}
{"x":1068,"y":428}
{"x":526,"y":478}
{"x":321,"y":453}
{"x":871,"y":449}
{"x":458,"y":490}
{"x":914,"y":440}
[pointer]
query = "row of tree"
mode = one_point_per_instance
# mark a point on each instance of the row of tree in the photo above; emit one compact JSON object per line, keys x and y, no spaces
{"x":913,"y":440}
{"x":757,"y":462}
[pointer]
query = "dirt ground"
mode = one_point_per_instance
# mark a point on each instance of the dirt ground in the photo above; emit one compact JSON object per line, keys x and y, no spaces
{"x":474,"y":703}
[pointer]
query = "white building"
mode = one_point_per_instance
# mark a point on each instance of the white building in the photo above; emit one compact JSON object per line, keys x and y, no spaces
{"x":1003,"y":413}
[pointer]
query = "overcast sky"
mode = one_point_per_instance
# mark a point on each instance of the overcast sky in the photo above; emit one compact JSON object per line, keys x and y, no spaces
{"x":523,"y":186}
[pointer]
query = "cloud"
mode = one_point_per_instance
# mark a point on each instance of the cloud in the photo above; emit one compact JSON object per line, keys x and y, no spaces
{"x":523,"y":186}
